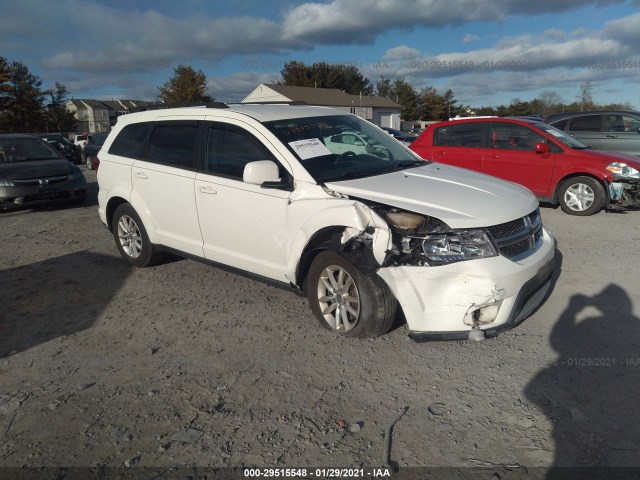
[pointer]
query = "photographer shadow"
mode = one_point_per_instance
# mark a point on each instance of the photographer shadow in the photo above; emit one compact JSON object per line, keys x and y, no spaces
{"x":591,"y":392}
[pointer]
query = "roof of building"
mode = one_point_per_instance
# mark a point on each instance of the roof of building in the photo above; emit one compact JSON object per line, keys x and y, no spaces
{"x":329,"y":97}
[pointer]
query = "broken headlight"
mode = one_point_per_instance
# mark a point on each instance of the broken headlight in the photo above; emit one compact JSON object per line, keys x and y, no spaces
{"x":622,"y":170}
{"x":451,"y":247}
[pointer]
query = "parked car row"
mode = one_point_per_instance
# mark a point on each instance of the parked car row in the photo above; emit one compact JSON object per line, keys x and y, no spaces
{"x":556,"y":167}
{"x":33,"y":173}
{"x":91,"y":149}
{"x":65,"y":146}
{"x":616,"y":130}
{"x":403,"y":137}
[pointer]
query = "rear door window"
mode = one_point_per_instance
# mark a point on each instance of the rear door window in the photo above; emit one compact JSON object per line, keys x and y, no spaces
{"x":174,"y":144}
{"x":588,"y":123}
{"x":463,"y":135}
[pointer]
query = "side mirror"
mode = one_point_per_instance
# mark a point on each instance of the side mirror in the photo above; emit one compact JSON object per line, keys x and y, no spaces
{"x":262,"y":171}
{"x":542,"y":148}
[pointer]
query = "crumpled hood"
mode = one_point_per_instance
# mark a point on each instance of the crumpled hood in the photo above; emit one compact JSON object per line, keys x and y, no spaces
{"x":459,"y":197}
{"x":34,"y":169}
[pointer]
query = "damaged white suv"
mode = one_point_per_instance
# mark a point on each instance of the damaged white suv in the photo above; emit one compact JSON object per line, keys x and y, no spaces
{"x":362,"y":232}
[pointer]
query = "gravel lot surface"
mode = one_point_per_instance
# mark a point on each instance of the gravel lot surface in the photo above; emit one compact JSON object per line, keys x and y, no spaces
{"x":186,"y":364}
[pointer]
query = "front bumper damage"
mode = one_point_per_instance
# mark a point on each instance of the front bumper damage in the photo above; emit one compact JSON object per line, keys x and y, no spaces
{"x":624,"y":194}
{"x":491,"y":294}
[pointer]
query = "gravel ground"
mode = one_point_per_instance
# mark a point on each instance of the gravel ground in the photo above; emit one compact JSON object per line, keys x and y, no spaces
{"x":184,"y":364}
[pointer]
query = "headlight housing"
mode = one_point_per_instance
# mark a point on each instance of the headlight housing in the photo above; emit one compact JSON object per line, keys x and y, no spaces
{"x":622,"y":170}
{"x":452,"y":247}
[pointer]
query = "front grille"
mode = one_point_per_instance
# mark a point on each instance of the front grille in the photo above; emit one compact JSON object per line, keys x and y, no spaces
{"x":519,"y":238}
{"x":42,"y":181}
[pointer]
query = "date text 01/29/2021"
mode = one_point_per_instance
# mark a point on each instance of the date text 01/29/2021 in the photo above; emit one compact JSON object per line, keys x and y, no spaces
{"x":316,"y":473}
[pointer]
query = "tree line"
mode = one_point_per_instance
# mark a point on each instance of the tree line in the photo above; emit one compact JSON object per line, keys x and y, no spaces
{"x":25,"y":106}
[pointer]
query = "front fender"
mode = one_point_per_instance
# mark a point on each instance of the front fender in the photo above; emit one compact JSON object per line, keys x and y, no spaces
{"x":354,"y":217}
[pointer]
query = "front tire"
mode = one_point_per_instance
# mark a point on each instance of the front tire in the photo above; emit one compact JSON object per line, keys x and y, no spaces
{"x":346,"y":301}
{"x":131,"y":237}
{"x":581,"y":196}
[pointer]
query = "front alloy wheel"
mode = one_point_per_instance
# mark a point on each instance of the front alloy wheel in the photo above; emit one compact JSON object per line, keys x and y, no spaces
{"x":338,"y":298}
{"x":346,"y":301}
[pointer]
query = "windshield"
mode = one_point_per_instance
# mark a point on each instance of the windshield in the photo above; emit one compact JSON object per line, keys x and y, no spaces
{"x":342,"y":146}
{"x":561,"y":136}
{"x":24,"y":149}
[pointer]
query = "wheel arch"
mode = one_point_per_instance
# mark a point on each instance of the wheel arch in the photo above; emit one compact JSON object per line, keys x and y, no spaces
{"x":334,"y":229}
{"x":319,"y":242}
{"x":114,"y":202}
{"x":602,"y":180}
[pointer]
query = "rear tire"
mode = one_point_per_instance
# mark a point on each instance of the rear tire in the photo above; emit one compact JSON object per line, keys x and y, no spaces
{"x":132,"y":239}
{"x":581,"y":196}
{"x":346,"y":301}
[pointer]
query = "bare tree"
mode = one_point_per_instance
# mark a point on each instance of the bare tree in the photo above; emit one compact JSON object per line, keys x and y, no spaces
{"x":585,"y":96}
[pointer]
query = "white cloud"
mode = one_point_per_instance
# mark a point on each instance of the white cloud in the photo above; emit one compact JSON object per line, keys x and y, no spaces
{"x":470,"y":38}
{"x":402,"y":53}
{"x":234,"y":88}
{"x":346,"y":21}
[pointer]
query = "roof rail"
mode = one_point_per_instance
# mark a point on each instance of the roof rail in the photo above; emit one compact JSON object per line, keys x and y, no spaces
{"x":282,"y":102}
{"x":162,"y":106}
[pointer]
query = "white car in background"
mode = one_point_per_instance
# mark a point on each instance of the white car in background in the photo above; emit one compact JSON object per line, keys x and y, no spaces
{"x":363,"y":231}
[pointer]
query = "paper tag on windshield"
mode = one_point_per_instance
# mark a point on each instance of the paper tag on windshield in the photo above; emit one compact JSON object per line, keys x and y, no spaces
{"x":310,"y":148}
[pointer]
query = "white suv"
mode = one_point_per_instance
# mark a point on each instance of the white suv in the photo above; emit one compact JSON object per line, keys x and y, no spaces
{"x":362,"y":233}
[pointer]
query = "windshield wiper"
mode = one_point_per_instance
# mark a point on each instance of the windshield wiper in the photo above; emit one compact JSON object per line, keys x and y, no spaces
{"x":411,"y":163}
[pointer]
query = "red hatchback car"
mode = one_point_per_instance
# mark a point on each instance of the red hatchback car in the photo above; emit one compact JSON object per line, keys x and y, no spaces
{"x":557,"y":168}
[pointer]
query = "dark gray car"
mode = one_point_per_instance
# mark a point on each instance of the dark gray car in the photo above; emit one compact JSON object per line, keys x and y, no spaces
{"x":616,"y":130}
{"x":33,"y":173}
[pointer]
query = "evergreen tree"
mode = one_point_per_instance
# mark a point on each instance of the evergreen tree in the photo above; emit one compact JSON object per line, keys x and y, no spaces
{"x":57,"y":117}
{"x":21,"y":105}
{"x":323,"y":75}
{"x":186,"y":85}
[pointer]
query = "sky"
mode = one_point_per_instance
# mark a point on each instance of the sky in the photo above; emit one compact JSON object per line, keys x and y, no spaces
{"x":488,"y":52}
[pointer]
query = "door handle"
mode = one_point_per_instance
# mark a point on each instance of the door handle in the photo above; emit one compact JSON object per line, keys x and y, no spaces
{"x":493,"y":155}
{"x":141,"y":175}
{"x":207,"y":190}
{"x":611,"y":136}
{"x":440,"y":153}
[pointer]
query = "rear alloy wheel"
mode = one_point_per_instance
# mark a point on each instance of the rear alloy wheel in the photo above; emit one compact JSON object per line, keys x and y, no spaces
{"x":131,"y":237}
{"x":346,"y":301}
{"x":581,"y":196}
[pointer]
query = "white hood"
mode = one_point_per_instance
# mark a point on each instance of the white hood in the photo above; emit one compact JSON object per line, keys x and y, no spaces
{"x":459,"y":197}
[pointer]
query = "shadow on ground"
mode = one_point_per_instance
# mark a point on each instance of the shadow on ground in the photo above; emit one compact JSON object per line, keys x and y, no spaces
{"x":55,"y":298}
{"x":590,"y":393}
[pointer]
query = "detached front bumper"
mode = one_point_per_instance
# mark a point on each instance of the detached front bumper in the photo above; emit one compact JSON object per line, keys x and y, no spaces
{"x":492,"y":294}
{"x":624,"y":194}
